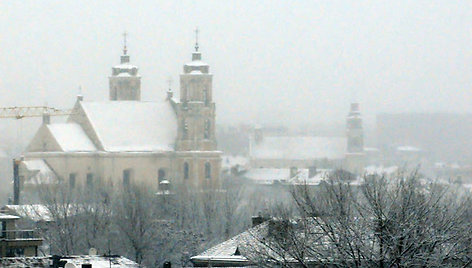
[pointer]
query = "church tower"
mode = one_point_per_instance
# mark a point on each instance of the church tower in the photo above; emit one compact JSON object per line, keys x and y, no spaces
{"x":355,"y":136}
{"x":196,"y":131}
{"x":355,"y":140}
{"x":125,"y":83}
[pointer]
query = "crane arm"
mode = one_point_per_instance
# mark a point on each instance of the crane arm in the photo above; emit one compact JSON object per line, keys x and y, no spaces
{"x":31,"y":111}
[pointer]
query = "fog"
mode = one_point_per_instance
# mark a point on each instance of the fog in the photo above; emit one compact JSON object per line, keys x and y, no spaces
{"x":287,"y":78}
{"x":275,"y":62}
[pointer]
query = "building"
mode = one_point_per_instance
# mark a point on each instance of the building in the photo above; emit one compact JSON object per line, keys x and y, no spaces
{"x":311,"y":151}
{"x":91,"y":261}
{"x":126,"y":140}
{"x":16,"y":243}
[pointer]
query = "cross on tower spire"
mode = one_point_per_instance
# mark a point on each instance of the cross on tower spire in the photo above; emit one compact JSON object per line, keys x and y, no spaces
{"x":169,"y":82}
{"x":196,"y":39}
{"x":125,"y":49}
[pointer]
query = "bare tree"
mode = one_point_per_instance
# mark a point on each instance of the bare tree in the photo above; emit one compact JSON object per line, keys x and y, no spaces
{"x":402,"y":221}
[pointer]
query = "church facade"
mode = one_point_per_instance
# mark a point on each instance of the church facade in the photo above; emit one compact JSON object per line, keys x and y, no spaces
{"x":126,"y":141}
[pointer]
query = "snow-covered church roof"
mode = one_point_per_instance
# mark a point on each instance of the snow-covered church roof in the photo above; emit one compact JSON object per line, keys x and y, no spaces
{"x":299,"y":148}
{"x":71,"y":137}
{"x":133,"y":126}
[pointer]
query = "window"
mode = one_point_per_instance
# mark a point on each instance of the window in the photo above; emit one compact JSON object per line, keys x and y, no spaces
{"x":206,"y":132}
{"x":89,"y":180}
{"x":186,"y":171}
{"x":72,"y":177}
{"x":127,"y":177}
{"x":205,"y":97}
{"x":184,"y":129}
{"x":161,"y":175}
{"x":3,"y":228}
{"x":207,"y":170}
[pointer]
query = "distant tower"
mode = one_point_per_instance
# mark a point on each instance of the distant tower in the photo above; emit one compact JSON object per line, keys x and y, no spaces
{"x":196,"y":113}
{"x":355,"y":134}
{"x":355,"y":156}
{"x":125,"y":83}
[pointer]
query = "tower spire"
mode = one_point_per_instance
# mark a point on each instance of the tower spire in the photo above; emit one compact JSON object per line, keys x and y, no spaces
{"x":196,"y":39}
{"x":125,"y":56}
{"x":125,"y":49}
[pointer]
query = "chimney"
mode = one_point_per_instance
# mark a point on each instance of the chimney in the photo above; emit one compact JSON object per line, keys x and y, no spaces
{"x":256,"y":220}
{"x":293,"y":172}
{"x":258,"y":135}
{"x":46,"y":118}
{"x":16,"y":182}
{"x":167,"y":264}
{"x":311,"y":171}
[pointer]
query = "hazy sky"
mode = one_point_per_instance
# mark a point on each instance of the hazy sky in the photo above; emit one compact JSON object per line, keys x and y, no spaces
{"x":273,"y":61}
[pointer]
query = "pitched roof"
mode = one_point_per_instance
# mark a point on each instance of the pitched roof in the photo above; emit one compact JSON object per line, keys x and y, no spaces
{"x":39,"y":171}
{"x":95,"y":261}
{"x":34,"y":212}
{"x":133,"y":125}
{"x":71,"y":137}
{"x":299,"y":148}
{"x":230,"y":246}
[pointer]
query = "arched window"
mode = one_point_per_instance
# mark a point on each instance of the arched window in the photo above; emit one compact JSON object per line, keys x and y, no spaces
{"x":186,"y":171}
{"x":207,"y":170}
{"x":161,"y":175}
{"x":206,"y":132}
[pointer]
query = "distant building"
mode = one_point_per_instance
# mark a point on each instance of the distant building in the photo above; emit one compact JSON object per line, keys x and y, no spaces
{"x":311,"y":151}
{"x":126,"y":140}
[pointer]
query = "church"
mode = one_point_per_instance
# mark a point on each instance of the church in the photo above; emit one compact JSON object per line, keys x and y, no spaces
{"x":311,"y":152}
{"x":125,"y":140}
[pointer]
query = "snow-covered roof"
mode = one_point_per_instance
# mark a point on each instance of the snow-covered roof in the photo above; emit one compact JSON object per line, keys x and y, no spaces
{"x":408,"y":148}
{"x":101,"y":261}
{"x":196,"y":63}
{"x":268,"y":175}
{"x":124,"y":75}
{"x":125,"y":66}
{"x":133,"y":125}
{"x":230,"y":246}
{"x":43,"y":262}
{"x":299,"y":148}
{"x":380,"y":170}
{"x":8,"y":217}
{"x":71,"y":137}
{"x":39,"y":172}
{"x":196,"y":72}
{"x":229,"y":161}
{"x":34,"y":212}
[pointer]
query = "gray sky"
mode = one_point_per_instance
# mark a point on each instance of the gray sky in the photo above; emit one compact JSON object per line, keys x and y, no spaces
{"x":273,"y":61}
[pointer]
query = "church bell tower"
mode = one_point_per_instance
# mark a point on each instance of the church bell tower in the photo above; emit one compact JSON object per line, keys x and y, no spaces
{"x":355,"y":156}
{"x":196,"y":131}
{"x":125,"y":83}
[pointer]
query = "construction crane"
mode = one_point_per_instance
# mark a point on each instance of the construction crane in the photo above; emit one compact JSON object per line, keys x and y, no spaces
{"x":31,"y":111}
{"x":20,"y":113}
